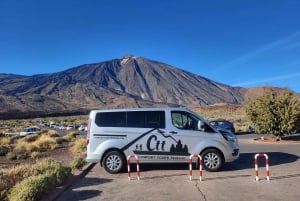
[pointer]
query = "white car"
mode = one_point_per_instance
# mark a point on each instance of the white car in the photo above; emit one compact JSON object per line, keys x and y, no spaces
{"x":82,"y":128}
{"x":71,"y":127}
{"x":28,"y":131}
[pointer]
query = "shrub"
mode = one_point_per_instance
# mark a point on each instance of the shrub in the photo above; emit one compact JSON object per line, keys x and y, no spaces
{"x":78,"y":146}
{"x":10,"y":177}
{"x":77,"y":163}
{"x":45,"y":142}
{"x":69,"y":138}
{"x":274,"y":114}
{"x":50,"y":166}
{"x":60,"y":140}
{"x":23,"y":155}
{"x":35,"y":155}
{"x":52,"y":133}
{"x":4,"y":140}
{"x":30,"y":138}
{"x":14,"y":138}
{"x":4,"y":149}
{"x":23,"y":146}
{"x":32,"y":188}
{"x":11,"y":156}
{"x":73,"y":132}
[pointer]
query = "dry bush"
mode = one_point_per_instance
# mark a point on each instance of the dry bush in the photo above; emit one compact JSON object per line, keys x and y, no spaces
{"x":5,"y":146}
{"x":9,"y":177}
{"x":26,"y":146}
{"x":23,"y":146}
{"x":35,"y":155}
{"x":11,"y":156}
{"x":73,"y":133}
{"x":52,"y":133}
{"x":68,"y":138}
{"x":45,"y":142}
{"x":78,"y":146}
{"x":32,"y":188}
{"x":78,"y":163}
{"x":14,"y":138}
{"x":60,"y":140}
{"x":4,"y":140}
{"x":30,"y":138}
{"x":12,"y":178}
{"x":42,"y":132}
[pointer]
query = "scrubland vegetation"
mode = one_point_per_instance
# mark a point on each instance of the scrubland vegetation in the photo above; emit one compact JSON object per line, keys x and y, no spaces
{"x":31,"y":182}
{"x":34,"y":174}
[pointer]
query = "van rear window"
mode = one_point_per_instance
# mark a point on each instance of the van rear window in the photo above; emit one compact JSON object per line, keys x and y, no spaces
{"x":146,"y":119}
{"x":111,"y":119}
{"x":135,"y":119}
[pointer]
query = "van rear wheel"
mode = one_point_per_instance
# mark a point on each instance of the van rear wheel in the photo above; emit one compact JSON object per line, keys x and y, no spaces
{"x":212,"y":160}
{"x":113,"y":162}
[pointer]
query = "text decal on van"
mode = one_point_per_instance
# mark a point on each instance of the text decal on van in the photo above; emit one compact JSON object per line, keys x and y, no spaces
{"x":155,"y":146}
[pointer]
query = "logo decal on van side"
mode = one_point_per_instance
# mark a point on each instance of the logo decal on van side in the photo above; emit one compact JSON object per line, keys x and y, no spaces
{"x":154,"y":146}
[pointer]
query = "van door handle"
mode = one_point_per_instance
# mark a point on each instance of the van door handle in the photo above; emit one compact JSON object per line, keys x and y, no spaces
{"x":173,"y":132}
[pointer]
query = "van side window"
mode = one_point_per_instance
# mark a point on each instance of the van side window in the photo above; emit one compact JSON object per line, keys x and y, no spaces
{"x":184,"y":120}
{"x":111,"y":119}
{"x":155,"y":119}
{"x":146,"y":119}
{"x":134,"y":119}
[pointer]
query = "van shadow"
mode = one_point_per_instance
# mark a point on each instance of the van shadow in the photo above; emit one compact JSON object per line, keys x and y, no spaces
{"x":246,"y":160}
{"x":77,"y":191}
{"x":162,"y":166}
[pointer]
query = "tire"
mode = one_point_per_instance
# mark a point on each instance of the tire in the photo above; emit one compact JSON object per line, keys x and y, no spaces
{"x":113,"y":162}
{"x":212,"y":160}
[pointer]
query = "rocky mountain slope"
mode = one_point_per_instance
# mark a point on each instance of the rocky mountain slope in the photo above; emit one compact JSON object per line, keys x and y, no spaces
{"x":127,"y":82}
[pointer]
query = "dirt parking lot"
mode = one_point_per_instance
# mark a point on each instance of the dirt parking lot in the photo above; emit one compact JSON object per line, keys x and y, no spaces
{"x":171,"y":182}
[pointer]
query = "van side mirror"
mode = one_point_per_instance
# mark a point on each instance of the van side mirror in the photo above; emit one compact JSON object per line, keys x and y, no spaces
{"x":201,"y":126}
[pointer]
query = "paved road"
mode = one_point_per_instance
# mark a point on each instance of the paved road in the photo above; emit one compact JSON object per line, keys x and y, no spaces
{"x":235,"y":182}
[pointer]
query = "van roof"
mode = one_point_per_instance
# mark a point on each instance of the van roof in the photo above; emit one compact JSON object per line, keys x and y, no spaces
{"x":140,"y":109}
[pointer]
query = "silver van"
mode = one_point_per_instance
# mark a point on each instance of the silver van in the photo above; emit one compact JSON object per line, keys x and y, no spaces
{"x":156,"y":135}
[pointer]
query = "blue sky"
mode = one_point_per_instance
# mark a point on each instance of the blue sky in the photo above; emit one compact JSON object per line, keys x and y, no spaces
{"x":244,"y":43}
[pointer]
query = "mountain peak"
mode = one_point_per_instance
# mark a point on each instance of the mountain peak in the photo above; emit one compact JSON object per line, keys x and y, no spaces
{"x":127,"y":57}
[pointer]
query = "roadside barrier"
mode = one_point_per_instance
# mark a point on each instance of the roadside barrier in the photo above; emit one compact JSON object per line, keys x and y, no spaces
{"x":256,"y":166}
{"x":191,"y":163}
{"x":137,"y":165}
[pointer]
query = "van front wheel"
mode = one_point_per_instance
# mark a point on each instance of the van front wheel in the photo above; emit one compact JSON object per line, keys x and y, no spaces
{"x":113,"y":162}
{"x":212,"y":160}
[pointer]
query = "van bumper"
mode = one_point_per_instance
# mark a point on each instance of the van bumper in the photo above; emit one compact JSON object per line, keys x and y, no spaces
{"x":93,"y":158}
{"x":233,"y":156}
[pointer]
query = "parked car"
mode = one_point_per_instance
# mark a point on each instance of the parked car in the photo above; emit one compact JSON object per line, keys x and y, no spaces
{"x":251,"y":129}
{"x":30,"y":130}
{"x":223,"y":124}
{"x":52,"y":124}
{"x":82,"y":128}
{"x":71,"y":127}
